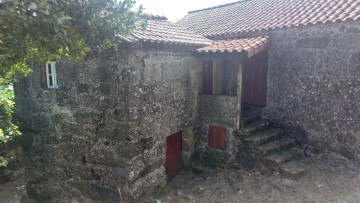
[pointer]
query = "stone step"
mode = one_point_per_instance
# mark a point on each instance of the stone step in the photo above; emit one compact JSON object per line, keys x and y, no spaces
{"x":276,"y":146}
{"x":249,"y":116}
{"x":283,"y":157}
{"x":293,"y":170}
{"x":254,"y":127}
{"x":265,"y":136}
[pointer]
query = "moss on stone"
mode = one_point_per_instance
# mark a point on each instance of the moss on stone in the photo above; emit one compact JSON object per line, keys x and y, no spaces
{"x":145,"y":143}
{"x":198,"y":171}
{"x":211,"y":157}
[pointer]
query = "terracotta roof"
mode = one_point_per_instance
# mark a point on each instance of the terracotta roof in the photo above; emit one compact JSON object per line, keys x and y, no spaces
{"x":255,"y":15}
{"x":251,"y":45}
{"x":160,"y":30}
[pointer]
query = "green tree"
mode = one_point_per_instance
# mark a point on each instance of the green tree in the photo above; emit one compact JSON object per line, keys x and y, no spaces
{"x":8,"y":130}
{"x":35,"y":31}
{"x":40,"y":30}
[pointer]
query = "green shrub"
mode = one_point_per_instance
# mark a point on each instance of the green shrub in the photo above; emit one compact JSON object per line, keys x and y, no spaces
{"x":8,"y":130}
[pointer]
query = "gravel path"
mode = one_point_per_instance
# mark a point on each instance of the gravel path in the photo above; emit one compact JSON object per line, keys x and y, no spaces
{"x":329,"y":178}
{"x":12,"y":192}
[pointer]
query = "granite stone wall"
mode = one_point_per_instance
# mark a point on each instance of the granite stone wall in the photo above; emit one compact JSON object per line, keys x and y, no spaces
{"x":314,"y":85}
{"x":101,"y":135}
{"x":218,"y":111}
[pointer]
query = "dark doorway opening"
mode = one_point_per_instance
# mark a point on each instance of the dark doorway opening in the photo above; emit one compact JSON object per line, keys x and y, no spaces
{"x":254,"y":79}
{"x":173,"y":160}
{"x":230,"y":71}
{"x":207,"y":77}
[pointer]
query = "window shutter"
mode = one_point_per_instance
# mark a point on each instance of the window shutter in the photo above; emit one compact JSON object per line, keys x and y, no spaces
{"x":43,"y":76}
{"x":216,"y":137}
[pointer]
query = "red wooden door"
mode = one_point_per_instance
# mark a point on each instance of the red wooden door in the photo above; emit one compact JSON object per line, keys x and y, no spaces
{"x":207,"y":77}
{"x":173,"y":155}
{"x":254,"y":84}
{"x":216,"y":137}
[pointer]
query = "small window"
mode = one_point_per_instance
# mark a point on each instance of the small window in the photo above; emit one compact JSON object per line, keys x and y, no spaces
{"x":51,"y":80}
{"x":216,"y":137}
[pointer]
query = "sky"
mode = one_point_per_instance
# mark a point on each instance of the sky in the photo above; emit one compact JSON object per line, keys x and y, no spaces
{"x":174,"y":10}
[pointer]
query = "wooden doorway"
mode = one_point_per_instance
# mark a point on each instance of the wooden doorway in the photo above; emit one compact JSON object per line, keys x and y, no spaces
{"x":173,"y":155}
{"x":216,"y":137}
{"x":207,"y":77}
{"x":254,"y":80}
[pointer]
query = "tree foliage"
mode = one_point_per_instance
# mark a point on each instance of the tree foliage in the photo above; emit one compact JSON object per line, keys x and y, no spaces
{"x":41,"y":30}
{"x":8,"y":129}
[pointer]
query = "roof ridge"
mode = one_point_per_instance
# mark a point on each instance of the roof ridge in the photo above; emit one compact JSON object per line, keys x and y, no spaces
{"x":160,"y":30}
{"x":154,"y":17}
{"x":219,"y":6}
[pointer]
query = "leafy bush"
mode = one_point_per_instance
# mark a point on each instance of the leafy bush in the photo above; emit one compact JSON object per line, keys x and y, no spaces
{"x":8,"y":129}
{"x":41,"y":30}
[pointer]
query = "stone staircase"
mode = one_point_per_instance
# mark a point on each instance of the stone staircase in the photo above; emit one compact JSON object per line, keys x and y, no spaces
{"x":268,"y":145}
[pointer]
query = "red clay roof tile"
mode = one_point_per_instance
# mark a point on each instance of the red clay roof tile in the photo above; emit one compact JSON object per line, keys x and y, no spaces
{"x":160,"y":30}
{"x":250,"y":45}
{"x":252,"y":15}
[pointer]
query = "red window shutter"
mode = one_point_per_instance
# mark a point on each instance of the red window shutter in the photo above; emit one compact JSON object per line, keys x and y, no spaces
{"x":43,"y":76}
{"x":216,"y":137}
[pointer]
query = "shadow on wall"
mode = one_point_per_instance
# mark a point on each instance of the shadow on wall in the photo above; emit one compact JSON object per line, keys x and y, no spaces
{"x":296,"y":132}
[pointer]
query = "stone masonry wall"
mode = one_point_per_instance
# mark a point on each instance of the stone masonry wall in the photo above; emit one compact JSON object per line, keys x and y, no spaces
{"x":101,"y":135}
{"x":218,"y":111}
{"x":314,"y":84}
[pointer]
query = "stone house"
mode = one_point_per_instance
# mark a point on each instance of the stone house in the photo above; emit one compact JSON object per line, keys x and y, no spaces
{"x":226,"y":87}
{"x":312,"y":74}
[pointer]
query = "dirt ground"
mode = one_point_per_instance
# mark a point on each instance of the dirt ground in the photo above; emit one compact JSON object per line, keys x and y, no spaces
{"x":12,"y":192}
{"x":329,"y":178}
